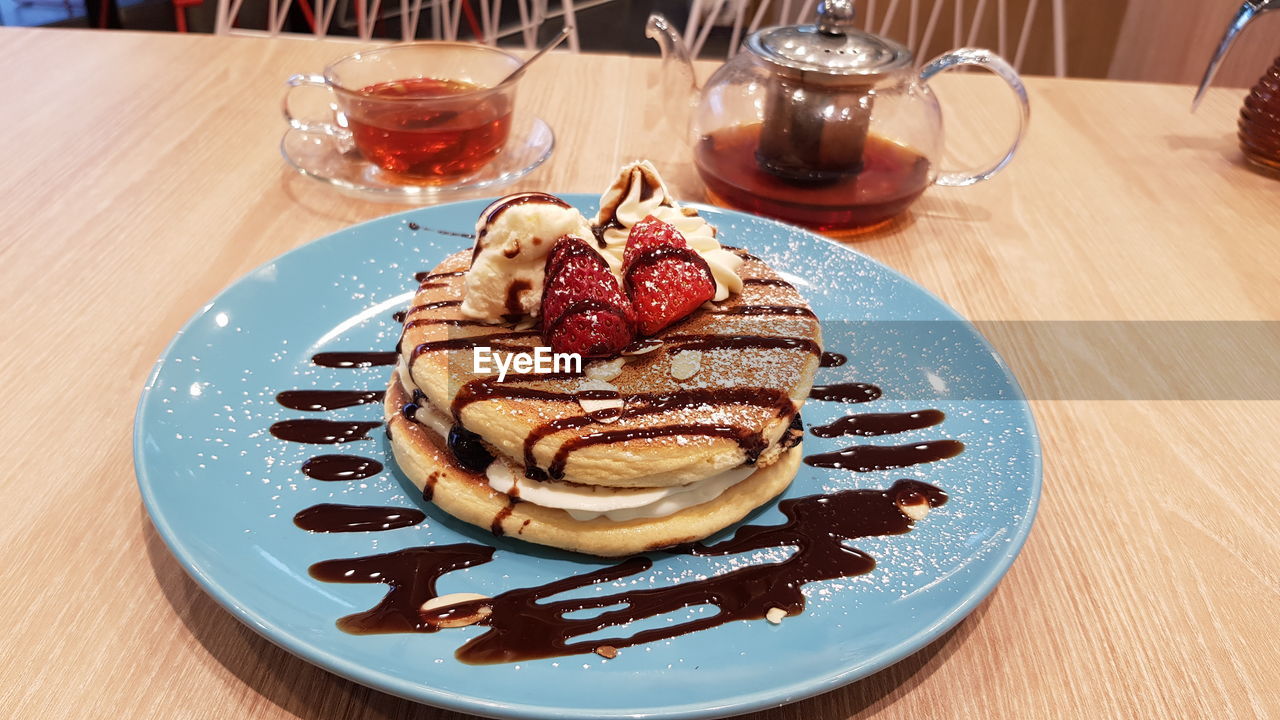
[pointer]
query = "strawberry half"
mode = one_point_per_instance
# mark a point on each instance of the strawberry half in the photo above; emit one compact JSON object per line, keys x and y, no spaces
{"x":649,"y":233}
{"x":583,"y":311}
{"x":665,"y":280}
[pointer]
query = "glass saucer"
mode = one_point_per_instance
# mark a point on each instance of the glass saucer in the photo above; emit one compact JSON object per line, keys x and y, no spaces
{"x":323,"y":157}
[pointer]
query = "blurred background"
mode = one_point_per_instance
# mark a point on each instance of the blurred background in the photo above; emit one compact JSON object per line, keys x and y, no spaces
{"x":1148,"y":40}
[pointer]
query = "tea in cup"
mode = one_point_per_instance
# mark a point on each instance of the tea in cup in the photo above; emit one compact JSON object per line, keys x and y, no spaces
{"x":426,"y":112}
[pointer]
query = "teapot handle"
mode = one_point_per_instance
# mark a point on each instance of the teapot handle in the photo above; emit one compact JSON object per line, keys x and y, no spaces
{"x":996,"y":64}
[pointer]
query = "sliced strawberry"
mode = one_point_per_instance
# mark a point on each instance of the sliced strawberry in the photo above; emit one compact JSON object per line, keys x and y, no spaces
{"x":583,"y":310}
{"x":591,"y":330}
{"x":664,"y":279}
{"x":650,"y":232}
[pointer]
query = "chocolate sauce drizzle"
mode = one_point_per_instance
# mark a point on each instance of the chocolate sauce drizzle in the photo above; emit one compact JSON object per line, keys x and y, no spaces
{"x":334,"y":518}
{"x":321,"y":400}
{"x":428,"y":276}
{"x":411,"y":575}
{"x":874,"y":424}
{"x":775,"y":282}
{"x":751,"y":442}
{"x":323,"y":432}
{"x":742,"y":342}
{"x":767,"y":310}
{"x":354,"y":359}
{"x":340,"y":468}
{"x":855,"y":392}
{"x":869,"y":458}
{"x":523,"y":625}
{"x":832,"y":359}
{"x":434,"y":305}
{"x":641,"y":404}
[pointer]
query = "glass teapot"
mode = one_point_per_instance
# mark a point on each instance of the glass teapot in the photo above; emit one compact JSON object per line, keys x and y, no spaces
{"x":822,"y":125}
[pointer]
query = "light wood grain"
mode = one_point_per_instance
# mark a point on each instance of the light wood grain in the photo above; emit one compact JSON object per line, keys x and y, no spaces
{"x":141,"y":176}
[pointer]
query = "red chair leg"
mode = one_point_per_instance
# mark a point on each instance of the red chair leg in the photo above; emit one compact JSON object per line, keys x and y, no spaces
{"x":471,"y":20}
{"x":307,"y":14}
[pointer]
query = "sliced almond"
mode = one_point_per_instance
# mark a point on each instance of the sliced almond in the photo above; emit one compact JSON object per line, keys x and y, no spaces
{"x":600,"y":400}
{"x":775,"y":615}
{"x":686,"y":364}
{"x":608,"y":652}
{"x":437,"y":610}
{"x":914,"y":506}
{"x":606,"y":370}
{"x":640,"y":347}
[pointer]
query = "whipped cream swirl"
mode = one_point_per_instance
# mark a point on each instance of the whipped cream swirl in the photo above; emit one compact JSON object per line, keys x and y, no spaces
{"x":640,"y":192}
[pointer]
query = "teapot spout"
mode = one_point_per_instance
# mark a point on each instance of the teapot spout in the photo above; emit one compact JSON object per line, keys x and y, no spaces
{"x":1247,"y":12}
{"x":679,"y":82}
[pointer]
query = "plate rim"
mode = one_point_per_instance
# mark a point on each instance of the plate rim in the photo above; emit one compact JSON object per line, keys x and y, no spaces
{"x":704,"y":710}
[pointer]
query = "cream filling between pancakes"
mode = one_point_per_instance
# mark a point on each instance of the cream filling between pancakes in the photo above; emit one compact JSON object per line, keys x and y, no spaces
{"x":585,"y":502}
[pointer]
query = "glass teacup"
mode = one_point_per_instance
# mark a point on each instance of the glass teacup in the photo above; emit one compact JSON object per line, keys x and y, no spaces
{"x":427,"y":112}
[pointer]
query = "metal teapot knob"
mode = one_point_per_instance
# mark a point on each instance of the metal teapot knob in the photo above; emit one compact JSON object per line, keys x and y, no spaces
{"x":835,"y":17}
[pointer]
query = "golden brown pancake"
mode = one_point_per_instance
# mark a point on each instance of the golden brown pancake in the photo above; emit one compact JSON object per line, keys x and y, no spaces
{"x":758,"y":354}
{"x":424,"y":457}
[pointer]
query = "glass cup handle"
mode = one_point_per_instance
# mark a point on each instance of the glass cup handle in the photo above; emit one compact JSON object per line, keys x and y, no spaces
{"x":996,"y":64}
{"x":304,"y":80}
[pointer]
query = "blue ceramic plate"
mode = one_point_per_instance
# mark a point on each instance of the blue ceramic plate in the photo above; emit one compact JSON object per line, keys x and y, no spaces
{"x":223,"y":491}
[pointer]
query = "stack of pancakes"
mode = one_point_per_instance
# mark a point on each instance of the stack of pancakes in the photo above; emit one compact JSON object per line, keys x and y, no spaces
{"x":674,"y":458}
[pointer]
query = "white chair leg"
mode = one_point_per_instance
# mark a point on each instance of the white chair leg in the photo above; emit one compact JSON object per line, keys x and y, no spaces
{"x":695,"y":19}
{"x":739,"y":13}
{"x":1059,"y":39}
{"x":571,"y":20}
{"x":930,"y":25}
{"x":526,"y":29}
{"x":1025,"y":35}
{"x":706,"y":28}
{"x":974,"y":26}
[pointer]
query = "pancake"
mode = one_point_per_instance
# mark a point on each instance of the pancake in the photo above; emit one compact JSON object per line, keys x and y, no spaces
{"x":755,"y":356}
{"x":424,"y":457}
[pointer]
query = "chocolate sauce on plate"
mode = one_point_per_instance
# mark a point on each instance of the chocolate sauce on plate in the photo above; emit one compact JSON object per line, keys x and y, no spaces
{"x":873,"y":424}
{"x":339,"y":468}
{"x":525,"y":624}
{"x":855,"y":392}
{"x":868,"y":458}
{"x":323,"y":432}
{"x":320,"y":400}
{"x":333,"y":518}
{"x":410,"y":575}
{"x":832,"y":359}
{"x":354,"y":359}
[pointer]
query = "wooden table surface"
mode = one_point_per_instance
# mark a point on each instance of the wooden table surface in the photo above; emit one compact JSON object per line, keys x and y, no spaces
{"x":141,"y":176}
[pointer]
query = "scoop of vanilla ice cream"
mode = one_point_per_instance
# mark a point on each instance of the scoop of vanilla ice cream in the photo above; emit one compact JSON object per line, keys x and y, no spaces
{"x":513,"y":236}
{"x":639,"y":192}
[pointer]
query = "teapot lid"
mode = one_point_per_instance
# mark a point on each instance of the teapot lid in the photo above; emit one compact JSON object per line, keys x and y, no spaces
{"x":831,"y":46}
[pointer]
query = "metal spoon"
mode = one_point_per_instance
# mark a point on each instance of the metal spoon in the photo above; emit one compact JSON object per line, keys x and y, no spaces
{"x":555,"y":41}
